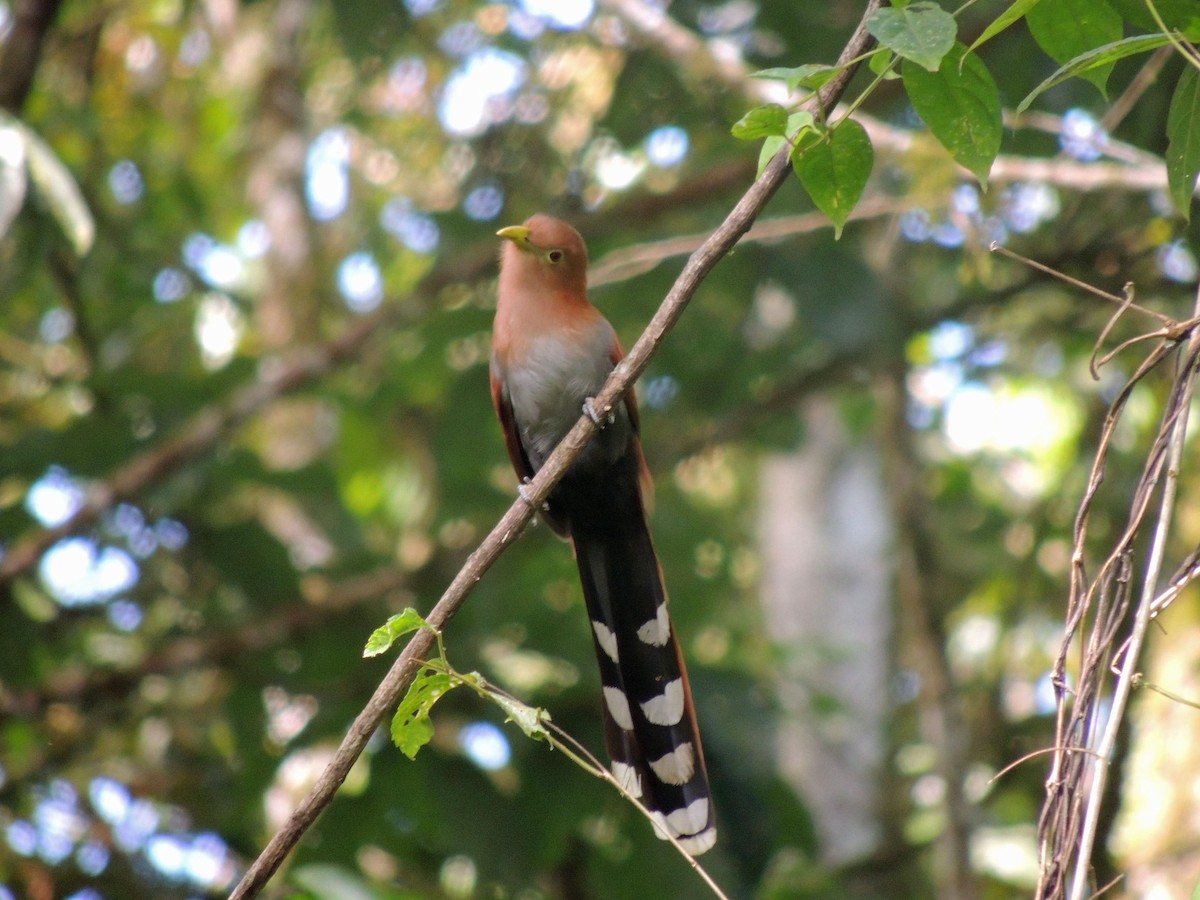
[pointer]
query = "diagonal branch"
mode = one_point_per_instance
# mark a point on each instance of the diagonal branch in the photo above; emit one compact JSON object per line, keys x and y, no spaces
{"x":293,"y":372}
{"x":506,"y":531}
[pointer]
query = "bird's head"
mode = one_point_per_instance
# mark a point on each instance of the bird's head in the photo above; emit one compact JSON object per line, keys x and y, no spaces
{"x":544,"y":250}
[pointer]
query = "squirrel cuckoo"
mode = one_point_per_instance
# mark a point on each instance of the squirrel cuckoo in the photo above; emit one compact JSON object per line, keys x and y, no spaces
{"x":551,"y":353}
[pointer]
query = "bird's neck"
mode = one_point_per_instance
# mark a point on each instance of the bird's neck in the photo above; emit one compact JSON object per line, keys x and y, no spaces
{"x":527,"y":311}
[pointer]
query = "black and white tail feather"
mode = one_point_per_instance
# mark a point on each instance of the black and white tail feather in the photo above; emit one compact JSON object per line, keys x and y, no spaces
{"x":650,"y":724}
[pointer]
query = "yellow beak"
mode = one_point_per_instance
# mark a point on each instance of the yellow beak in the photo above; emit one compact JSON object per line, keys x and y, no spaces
{"x":518,"y":234}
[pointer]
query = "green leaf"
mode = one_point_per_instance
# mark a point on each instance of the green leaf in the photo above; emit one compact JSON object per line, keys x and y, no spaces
{"x":797,"y":122}
{"x":770,"y":147}
{"x":1183,"y":140}
{"x":529,"y":719}
{"x":412,"y":728}
{"x":881,"y":62}
{"x":392,"y":630}
{"x":834,"y":169}
{"x":57,"y":189}
{"x":1014,"y":13}
{"x":922,"y":32}
{"x":769,"y":120}
{"x":1094,"y":58}
{"x":811,"y":77}
{"x":1067,"y":28}
{"x":1177,"y":15}
{"x":961,"y":106}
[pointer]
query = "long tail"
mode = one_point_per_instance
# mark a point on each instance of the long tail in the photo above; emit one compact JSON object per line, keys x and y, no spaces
{"x":649,"y":722}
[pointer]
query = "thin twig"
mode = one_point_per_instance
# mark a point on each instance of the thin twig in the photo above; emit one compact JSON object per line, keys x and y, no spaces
{"x":1178,"y":433}
{"x":1125,"y":302}
{"x":1034,"y":754}
{"x":584,"y":757}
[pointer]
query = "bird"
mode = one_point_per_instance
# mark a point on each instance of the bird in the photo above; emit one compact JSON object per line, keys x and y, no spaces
{"x":552,"y":351}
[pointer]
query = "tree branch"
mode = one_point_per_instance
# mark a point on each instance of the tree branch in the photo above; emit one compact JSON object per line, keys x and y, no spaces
{"x":388,"y":694}
{"x":31,"y":22}
{"x":200,"y":433}
{"x":293,"y":372}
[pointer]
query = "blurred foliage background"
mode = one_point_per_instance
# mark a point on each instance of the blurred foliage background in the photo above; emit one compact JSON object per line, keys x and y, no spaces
{"x":252,"y":420}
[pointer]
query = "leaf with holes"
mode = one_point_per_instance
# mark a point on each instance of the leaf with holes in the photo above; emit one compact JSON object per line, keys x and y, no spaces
{"x":1183,"y":140}
{"x":922,"y":32}
{"x":412,"y":728}
{"x":961,"y":106}
{"x":834,"y":168}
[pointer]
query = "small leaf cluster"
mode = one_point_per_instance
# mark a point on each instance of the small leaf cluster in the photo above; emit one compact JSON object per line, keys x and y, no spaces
{"x":951,"y":89}
{"x":412,"y":727}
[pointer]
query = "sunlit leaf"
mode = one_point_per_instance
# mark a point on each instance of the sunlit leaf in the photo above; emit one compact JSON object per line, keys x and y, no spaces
{"x":961,"y":105}
{"x":922,"y":32}
{"x":834,"y":169}
{"x":1183,"y":140}
{"x":393,"y":629}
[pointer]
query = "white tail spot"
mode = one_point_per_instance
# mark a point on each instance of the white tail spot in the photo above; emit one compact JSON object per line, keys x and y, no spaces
{"x":606,"y":639}
{"x":618,"y":707}
{"x":627,"y":777}
{"x":676,"y":767}
{"x":699,"y":843}
{"x":666,"y":708}
{"x":687,"y":826}
{"x":657,"y":631}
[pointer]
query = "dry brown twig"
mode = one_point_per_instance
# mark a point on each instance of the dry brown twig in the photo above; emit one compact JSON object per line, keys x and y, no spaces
{"x":1097,"y":609}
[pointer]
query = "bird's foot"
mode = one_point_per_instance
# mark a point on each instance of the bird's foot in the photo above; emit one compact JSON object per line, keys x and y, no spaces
{"x":523,"y":492}
{"x":590,"y":411}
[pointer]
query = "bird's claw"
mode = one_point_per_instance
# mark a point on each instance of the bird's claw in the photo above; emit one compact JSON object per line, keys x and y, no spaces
{"x":590,"y":411}
{"x":523,"y":493}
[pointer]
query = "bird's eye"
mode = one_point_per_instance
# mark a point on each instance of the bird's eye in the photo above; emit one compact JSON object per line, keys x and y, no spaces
{"x":555,"y":256}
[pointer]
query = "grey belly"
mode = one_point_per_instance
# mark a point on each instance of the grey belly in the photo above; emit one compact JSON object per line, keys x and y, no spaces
{"x":547,"y":398}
